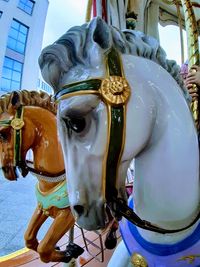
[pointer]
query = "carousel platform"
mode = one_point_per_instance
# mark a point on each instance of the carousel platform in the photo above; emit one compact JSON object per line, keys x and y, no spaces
{"x":17,"y":203}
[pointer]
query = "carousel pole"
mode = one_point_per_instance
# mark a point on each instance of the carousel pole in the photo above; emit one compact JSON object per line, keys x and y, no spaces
{"x":177,"y":3}
{"x":193,"y":52}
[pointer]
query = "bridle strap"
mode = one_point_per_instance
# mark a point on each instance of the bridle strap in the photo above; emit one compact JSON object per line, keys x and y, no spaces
{"x":42,"y":173}
{"x":117,"y":128}
{"x":17,"y":125}
{"x":122,"y":209}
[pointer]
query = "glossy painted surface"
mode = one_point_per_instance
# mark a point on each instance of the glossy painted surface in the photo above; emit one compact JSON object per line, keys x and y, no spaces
{"x":160,"y":136}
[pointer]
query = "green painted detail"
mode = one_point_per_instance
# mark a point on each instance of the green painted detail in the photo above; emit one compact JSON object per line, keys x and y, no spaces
{"x":5,"y":122}
{"x":58,"y":198}
{"x":93,"y":84}
{"x":114,"y":151}
{"x":114,"y":64}
{"x":18,"y":138}
{"x":19,"y":112}
{"x":17,"y":145}
{"x":116,"y":131}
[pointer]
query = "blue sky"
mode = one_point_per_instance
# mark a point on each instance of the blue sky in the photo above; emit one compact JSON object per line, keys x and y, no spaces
{"x":63,"y":14}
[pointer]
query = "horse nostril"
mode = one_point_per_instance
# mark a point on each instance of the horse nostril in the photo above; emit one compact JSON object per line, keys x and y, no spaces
{"x":79,"y":209}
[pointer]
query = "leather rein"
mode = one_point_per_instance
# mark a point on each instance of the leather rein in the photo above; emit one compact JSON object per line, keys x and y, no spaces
{"x":17,"y":123}
{"x":114,"y":91}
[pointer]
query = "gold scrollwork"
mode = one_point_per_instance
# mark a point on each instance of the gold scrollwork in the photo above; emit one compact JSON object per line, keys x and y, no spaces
{"x":190,"y":258}
{"x":138,"y":260}
{"x":17,"y":123}
{"x":115,"y":90}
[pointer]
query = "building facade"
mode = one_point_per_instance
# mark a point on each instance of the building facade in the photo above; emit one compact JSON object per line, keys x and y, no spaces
{"x":21,"y":27}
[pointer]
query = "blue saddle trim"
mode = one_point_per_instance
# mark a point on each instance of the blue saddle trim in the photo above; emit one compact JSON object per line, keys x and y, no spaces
{"x":160,"y":249}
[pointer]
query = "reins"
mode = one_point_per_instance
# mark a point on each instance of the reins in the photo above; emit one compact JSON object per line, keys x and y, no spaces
{"x":17,"y":123}
{"x":114,"y":91}
{"x":45,"y":176}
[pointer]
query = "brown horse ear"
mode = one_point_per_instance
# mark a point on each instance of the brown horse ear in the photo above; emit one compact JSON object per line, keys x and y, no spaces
{"x":15,"y":99}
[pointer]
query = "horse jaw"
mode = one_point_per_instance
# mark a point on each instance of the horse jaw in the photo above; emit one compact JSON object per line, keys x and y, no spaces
{"x":10,"y":173}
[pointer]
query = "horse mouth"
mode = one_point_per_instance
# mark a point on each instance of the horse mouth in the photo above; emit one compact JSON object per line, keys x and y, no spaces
{"x":10,"y":173}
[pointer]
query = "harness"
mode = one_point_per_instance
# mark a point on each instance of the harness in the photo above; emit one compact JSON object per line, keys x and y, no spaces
{"x":55,"y":197}
{"x":114,"y":91}
{"x":17,"y":123}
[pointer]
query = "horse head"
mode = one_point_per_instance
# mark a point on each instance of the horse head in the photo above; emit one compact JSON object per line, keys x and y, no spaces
{"x":106,"y":112}
{"x":13,"y":128}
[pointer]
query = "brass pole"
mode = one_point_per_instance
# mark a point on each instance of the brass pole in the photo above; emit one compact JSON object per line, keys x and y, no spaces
{"x":193,"y":51}
{"x":88,"y":11}
{"x":177,"y":3}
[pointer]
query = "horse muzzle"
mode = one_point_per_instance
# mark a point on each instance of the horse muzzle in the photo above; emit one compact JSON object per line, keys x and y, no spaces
{"x":10,"y":173}
{"x":92,"y":217}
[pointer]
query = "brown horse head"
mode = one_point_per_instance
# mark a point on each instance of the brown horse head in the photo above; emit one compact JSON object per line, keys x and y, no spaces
{"x":8,"y":111}
{"x":17,"y":128}
{"x":23,"y":126}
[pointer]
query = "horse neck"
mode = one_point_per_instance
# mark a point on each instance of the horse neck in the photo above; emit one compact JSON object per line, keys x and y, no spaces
{"x":167,"y":167}
{"x":46,"y":148}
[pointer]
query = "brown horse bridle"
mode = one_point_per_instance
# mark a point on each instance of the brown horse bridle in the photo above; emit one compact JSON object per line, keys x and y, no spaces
{"x":114,"y":91}
{"x":17,"y":124}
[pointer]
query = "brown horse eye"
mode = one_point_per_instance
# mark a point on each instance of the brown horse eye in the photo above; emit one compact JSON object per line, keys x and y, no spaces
{"x":3,"y":136}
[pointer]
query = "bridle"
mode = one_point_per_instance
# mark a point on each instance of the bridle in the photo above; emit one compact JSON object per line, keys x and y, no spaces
{"x":114,"y":91}
{"x":17,"y":124}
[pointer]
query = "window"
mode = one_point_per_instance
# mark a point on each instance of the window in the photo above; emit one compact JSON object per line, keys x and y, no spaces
{"x":26,"y":6}
{"x":17,"y":37}
{"x":11,"y":75}
{"x":44,"y":86}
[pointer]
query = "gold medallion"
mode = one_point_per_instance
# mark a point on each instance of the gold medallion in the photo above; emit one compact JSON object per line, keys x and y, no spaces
{"x":115,"y":90}
{"x":138,"y":260}
{"x":17,"y":123}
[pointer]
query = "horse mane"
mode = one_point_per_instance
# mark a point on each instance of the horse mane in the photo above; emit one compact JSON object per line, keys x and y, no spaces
{"x":29,"y":98}
{"x":80,"y":40}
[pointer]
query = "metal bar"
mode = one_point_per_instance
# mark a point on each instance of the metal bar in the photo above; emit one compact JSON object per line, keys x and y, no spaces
{"x":193,"y":50}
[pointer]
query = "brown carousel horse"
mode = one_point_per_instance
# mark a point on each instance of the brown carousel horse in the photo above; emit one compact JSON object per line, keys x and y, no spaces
{"x":23,"y":126}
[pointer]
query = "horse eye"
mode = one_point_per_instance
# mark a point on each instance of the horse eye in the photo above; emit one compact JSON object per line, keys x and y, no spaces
{"x":3,"y":136}
{"x":77,"y":124}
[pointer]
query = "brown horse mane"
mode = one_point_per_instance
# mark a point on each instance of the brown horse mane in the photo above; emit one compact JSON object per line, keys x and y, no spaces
{"x":29,"y":98}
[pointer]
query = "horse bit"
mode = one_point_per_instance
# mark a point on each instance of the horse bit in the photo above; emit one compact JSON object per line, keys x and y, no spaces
{"x":17,"y":123}
{"x":114,"y":91}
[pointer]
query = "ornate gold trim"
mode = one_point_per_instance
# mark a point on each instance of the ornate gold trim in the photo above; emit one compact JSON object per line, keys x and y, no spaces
{"x":115,"y":90}
{"x":17,"y":123}
{"x":190,"y":258}
{"x":54,"y":189}
{"x":138,"y":260}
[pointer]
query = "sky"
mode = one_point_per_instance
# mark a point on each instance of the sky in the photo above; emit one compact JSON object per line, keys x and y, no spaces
{"x":63,"y":14}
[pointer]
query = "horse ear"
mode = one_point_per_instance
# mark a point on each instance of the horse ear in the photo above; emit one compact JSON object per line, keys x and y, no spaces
{"x":15,"y":99}
{"x":101,"y":33}
{"x":98,"y":40}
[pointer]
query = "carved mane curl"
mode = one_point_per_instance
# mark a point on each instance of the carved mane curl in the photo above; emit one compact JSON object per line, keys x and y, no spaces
{"x":29,"y":98}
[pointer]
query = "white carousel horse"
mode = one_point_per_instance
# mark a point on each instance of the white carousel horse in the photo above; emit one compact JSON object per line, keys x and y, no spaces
{"x":119,"y":99}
